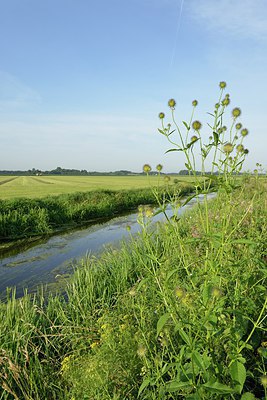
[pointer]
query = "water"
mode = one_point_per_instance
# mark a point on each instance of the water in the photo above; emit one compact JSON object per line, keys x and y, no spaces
{"x":54,"y":257}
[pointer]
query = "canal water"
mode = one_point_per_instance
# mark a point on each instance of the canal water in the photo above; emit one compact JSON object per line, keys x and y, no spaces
{"x":46,"y":262}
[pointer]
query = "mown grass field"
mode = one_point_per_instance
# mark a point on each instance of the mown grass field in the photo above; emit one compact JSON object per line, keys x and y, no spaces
{"x":40,"y":186}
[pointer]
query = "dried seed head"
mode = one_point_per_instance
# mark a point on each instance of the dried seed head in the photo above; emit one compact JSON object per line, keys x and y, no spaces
{"x":159,"y":167}
{"x":161,"y":115}
{"x":222,"y":85}
{"x":194,"y":103}
{"x":194,"y":138}
{"x":238,"y":126}
{"x":246,"y":151}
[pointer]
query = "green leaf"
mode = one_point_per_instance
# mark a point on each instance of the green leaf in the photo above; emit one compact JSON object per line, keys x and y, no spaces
{"x":188,"y":199}
{"x":187,"y":126}
{"x":174,"y":386}
{"x":187,"y":166}
{"x":194,"y":396}
{"x":217,"y":387}
{"x":212,"y":177}
{"x":243,"y":241}
{"x":161,"y":131}
{"x":168,"y":151}
{"x":198,"y":360}
{"x":238,"y":374}
{"x":248,"y":396}
{"x":216,"y":138}
{"x":146,"y":383}
{"x":184,"y":336}
{"x":191,"y":143}
{"x":170,"y":133}
{"x":162,"y":322}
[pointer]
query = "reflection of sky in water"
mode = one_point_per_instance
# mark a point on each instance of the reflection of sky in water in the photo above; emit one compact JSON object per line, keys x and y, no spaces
{"x":41,"y":263}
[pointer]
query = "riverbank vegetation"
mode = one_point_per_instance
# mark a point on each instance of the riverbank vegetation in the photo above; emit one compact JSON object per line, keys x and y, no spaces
{"x":178,"y":312}
{"x":22,"y":218}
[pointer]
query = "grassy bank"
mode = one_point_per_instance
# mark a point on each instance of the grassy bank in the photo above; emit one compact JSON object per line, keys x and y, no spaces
{"x":20,"y":218}
{"x":178,"y":313}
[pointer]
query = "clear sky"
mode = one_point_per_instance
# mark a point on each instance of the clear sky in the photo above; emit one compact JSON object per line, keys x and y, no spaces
{"x":82,"y":81}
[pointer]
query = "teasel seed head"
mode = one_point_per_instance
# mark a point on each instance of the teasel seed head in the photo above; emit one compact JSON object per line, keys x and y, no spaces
{"x":236,"y":112}
{"x":226,"y":101}
{"x":216,"y":292}
{"x":240,"y":148}
{"x":180,"y":292}
{"x":244,"y":132}
{"x":141,"y":351}
{"x":172,"y":103}
{"x":228,"y":148}
{"x":196,"y":125}
{"x":167,"y":179}
{"x":194,"y":138}
{"x":147,"y":168}
{"x":263,"y":380}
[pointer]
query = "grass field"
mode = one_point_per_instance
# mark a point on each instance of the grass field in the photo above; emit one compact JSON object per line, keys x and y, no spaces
{"x":40,"y":186}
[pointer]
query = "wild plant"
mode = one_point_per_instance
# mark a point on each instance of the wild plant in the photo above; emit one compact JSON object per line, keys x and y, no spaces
{"x":206,"y":331}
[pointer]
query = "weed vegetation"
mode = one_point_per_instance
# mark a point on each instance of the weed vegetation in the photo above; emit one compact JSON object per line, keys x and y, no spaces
{"x":179,"y":312}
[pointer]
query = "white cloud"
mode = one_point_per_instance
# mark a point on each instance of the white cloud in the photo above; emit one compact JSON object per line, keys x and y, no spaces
{"x":238,"y":18}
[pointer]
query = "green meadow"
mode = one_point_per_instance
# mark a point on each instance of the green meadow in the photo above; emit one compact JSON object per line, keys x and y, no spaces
{"x":40,"y":186}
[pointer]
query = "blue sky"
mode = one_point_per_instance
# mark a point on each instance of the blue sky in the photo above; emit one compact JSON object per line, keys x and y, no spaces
{"x":82,"y":81}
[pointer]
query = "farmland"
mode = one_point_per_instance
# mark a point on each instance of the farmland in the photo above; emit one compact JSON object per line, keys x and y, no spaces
{"x":40,"y":186}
